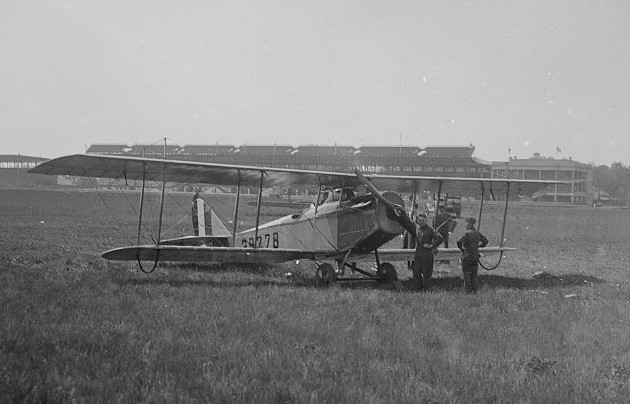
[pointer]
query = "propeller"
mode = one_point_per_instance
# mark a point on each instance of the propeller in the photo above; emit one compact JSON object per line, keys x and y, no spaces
{"x":398,"y":210}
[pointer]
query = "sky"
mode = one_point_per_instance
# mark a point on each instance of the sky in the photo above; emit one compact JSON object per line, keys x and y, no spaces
{"x":510,"y":77}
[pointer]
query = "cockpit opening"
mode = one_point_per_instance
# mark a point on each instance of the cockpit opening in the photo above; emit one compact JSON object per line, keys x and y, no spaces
{"x":346,"y":194}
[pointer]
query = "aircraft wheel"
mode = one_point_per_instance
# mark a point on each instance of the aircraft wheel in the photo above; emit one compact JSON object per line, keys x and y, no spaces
{"x":387,"y":272}
{"x":325,"y":275}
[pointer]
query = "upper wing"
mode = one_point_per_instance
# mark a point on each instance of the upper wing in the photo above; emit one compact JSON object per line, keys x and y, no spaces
{"x":134,"y":168}
{"x":187,"y":253}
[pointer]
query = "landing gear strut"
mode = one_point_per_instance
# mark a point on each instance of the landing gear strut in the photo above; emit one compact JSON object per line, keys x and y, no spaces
{"x":325,"y":275}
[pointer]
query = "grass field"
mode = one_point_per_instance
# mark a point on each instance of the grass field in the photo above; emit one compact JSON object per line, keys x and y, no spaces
{"x":76,"y":328}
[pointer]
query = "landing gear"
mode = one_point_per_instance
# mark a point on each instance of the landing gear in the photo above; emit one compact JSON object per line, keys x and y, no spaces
{"x":387,"y":273}
{"x":325,"y":275}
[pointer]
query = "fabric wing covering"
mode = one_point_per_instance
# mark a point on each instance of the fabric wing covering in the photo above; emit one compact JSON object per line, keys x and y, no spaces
{"x":135,"y":168}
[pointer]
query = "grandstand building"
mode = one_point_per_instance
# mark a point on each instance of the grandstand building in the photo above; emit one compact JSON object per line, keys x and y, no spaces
{"x":14,"y":172}
{"x":579,"y":177}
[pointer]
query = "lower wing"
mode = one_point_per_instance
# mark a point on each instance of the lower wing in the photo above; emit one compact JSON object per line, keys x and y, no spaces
{"x":204,"y":253}
{"x":189,"y":253}
{"x":405,"y":254}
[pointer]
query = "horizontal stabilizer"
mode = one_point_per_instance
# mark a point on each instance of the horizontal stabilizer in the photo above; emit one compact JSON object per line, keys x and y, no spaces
{"x":197,"y":241}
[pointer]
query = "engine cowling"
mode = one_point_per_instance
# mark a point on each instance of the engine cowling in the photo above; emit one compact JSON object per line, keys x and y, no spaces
{"x":387,"y":219}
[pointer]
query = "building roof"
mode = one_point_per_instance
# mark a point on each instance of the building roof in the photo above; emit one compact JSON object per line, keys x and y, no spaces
{"x":19,"y":158}
{"x":108,"y":148}
{"x":317,"y":150}
{"x":541,"y":163}
{"x":388,"y":151}
{"x":481,"y":161}
{"x":208,"y":149}
{"x":153,"y":149}
{"x":264,"y":150}
{"x":449,"y":151}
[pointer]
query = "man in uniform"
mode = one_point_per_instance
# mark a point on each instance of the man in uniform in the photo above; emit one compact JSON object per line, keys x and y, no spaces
{"x":427,"y":240}
{"x":469,"y":244}
{"x":443,"y":224}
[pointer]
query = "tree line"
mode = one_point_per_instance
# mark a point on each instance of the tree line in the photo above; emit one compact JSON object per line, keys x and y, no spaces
{"x":612,"y":182}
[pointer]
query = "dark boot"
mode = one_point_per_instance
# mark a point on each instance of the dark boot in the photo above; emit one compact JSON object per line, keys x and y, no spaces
{"x":468,"y":283}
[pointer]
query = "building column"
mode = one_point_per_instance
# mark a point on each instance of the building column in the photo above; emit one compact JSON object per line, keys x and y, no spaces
{"x":572,"y":187}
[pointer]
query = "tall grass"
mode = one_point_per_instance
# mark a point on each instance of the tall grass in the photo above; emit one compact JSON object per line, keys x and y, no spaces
{"x":76,"y":328}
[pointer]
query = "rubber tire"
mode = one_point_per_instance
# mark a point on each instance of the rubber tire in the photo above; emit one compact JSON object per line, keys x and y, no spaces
{"x":325,"y":275}
{"x":387,"y":272}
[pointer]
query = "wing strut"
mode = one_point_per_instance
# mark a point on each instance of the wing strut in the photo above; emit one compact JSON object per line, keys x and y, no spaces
{"x":159,"y":238}
{"x":343,"y":184}
{"x":414,"y":200}
{"x":483,"y":194}
{"x":319,"y":194}
{"x":238,"y":198}
{"x":437,"y":207}
{"x":260,"y":189}
{"x":377,"y":259}
{"x":507,"y":197}
{"x":144,"y":178}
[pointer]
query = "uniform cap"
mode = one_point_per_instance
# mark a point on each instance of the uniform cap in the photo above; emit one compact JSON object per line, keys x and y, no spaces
{"x":471,"y":220}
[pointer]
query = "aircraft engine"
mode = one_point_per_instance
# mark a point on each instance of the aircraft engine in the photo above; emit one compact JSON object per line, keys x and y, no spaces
{"x":386,"y":219}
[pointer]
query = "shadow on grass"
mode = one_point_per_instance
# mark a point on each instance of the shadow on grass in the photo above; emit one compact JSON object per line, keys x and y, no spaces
{"x":260,"y":275}
{"x":499,"y":281}
{"x":178,"y":282}
{"x":213,"y":275}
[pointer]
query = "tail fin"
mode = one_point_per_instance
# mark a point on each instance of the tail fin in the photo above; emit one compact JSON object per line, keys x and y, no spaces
{"x":206,"y":222}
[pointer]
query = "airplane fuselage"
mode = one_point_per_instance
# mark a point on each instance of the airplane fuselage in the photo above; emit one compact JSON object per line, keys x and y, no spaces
{"x":362,"y":227}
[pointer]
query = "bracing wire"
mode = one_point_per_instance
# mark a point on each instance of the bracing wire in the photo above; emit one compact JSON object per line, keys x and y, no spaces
{"x":117,"y":222}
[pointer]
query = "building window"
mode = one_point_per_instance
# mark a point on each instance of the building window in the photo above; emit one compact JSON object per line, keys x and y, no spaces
{"x":548,"y":175}
{"x":532,"y":174}
{"x":565,"y":175}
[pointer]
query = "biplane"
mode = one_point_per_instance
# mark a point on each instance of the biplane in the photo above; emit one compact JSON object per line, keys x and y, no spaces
{"x":343,"y":227}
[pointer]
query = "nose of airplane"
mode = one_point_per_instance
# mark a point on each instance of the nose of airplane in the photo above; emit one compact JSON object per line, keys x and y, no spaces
{"x":386,"y":219}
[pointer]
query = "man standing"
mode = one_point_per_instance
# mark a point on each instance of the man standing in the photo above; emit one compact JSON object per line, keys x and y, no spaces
{"x":443,"y":224}
{"x":427,"y":240}
{"x":469,"y":243}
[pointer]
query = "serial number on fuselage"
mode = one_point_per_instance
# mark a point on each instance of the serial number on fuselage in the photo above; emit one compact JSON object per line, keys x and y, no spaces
{"x":262,"y":241}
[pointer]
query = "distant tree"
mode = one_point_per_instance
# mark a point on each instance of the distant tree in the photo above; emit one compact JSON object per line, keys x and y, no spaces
{"x":613,"y":180}
{"x":621,"y":175}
